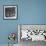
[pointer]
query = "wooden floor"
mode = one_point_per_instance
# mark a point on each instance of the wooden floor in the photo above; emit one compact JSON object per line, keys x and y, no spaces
{"x":30,"y":43}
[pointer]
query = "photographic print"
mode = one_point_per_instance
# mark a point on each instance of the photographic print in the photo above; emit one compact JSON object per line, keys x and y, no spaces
{"x":10,"y":12}
{"x":32,"y":32}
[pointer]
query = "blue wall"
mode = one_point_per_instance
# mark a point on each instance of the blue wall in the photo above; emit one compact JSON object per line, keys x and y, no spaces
{"x":29,"y":12}
{"x":33,"y":12}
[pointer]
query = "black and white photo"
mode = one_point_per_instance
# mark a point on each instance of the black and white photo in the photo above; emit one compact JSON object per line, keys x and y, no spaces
{"x":10,"y":12}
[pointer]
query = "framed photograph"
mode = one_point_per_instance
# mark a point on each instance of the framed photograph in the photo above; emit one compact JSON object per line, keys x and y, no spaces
{"x":10,"y":12}
{"x":31,"y":32}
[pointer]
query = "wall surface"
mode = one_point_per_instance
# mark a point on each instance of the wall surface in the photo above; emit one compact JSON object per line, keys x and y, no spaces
{"x":29,"y":12}
{"x":7,"y":26}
